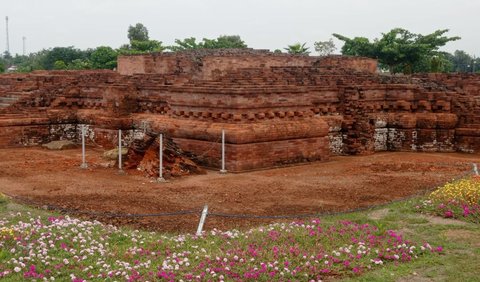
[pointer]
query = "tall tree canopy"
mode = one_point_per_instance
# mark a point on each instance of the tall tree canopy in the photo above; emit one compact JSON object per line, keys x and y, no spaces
{"x":140,"y":42}
{"x":104,"y":57}
{"x":399,"y":49}
{"x":223,"y":41}
{"x":65,"y":55}
{"x":185,"y":44}
{"x":463,"y":62}
{"x":137,"y":33}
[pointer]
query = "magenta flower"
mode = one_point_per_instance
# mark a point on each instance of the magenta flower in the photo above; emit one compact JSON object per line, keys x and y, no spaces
{"x":448,"y":214}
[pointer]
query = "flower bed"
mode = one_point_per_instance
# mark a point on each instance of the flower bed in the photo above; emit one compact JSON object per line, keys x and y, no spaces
{"x":65,"y":248}
{"x":458,"y":199}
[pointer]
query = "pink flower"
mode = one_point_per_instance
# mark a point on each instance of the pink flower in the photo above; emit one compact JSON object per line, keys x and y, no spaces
{"x":448,"y":214}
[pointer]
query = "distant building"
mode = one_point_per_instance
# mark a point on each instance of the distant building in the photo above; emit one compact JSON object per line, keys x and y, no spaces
{"x":12,"y":69}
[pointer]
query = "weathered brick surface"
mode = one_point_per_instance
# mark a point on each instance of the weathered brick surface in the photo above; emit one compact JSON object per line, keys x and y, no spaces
{"x":276,"y":109}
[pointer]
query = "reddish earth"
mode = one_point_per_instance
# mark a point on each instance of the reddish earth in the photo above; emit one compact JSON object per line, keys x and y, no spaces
{"x":43,"y":177}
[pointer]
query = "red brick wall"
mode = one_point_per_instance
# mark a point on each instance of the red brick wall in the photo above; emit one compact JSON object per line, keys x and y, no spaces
{"x":242,"y":157}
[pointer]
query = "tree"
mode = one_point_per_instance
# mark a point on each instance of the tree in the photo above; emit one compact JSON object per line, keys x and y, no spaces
{"x":185,"y":44}
{"x":325,"y":48}
{"x":2,"y":66}
{"x":59,"y":65}
{"x":398,"y":49}
{"x":80,"y":64}
{"x":358,"y":46}
{"x":104,"y":57}
{"x":137,"y":33}
{"x":7,"y":55}
{"x":221,"y":42}
{"x":461,"y":61}
{"x":65,"y":54}
{"x":298,"y":49}
{"x":141,"y":47}
{"x":224,"y":42}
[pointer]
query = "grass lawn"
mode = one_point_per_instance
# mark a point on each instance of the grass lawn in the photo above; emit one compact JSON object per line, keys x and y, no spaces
{"x":392,"y":243}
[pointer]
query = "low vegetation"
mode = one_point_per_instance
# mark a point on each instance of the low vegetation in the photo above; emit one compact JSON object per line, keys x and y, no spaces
{"x":458,"y":199}
{"x":387,"y":244}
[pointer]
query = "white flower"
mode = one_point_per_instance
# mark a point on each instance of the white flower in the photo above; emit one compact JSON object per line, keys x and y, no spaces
{"x":17,"y":269}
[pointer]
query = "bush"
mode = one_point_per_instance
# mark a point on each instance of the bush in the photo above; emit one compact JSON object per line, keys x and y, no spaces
{"x":458,"y":199}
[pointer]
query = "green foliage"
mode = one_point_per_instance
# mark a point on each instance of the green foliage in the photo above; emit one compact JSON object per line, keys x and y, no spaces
{"x":137,"y":33}
{"x":298,"y":49}
{"x":325,"y":48}
{"x":221,"y":42}
{"x":400,"y":50}
{"x":65,"y":54}
{"x":59,"y":65}
{"x":224,"y":41}
{"x":2,"y":66}
{"x":141,"y":47}
{"x":463,"y":62}
{"x":80,"y":64}
{"x":185,"y":44}
{"x":104,"y":57}
{"x":7,"y":55}
{"x":358,"y":46}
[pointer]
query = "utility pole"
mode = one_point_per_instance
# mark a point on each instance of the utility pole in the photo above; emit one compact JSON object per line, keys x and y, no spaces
{"x":8,"y":43}
{"x":473,"y":64}
{"x":24,"y":39}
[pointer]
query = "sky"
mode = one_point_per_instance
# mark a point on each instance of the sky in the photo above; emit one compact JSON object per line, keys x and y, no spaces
{"x":262,"y":24}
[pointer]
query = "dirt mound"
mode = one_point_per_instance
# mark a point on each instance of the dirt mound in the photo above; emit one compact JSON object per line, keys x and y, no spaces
{"x":143,"y":155}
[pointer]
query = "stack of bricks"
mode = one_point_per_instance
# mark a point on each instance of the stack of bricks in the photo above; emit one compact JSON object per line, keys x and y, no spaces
{"x":276,"y":109}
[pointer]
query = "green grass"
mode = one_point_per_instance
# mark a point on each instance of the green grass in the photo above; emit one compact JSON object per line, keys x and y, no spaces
{"x":459,"y":262}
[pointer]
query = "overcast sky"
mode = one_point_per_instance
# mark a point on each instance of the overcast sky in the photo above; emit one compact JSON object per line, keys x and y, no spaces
{"x":263,"y":24}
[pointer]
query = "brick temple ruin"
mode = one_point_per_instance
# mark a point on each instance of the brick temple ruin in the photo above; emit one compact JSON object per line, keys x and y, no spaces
{"x":276,"y":109}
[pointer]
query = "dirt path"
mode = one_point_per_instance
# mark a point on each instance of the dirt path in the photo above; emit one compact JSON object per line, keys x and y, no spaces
{"x":54,"y":177}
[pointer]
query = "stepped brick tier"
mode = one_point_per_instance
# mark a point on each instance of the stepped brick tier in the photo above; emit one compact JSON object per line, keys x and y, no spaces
{"x":276,"y":109}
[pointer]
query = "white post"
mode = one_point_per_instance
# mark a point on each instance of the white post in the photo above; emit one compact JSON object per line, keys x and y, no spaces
{"x":202,"y":220}
{"x":223,"y":170}
{"x":160,"y":159}
{"x":475,"y":169}
{"x":84,"y":163}
{"x":120,"y":150}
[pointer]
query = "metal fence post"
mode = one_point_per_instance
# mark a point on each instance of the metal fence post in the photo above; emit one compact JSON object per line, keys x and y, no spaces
{"x":223,"y":170}
{"x":202,"y":220}
{"x":120,"y":151}
{"x":475,"y":169}
{"x":84,"y":163}
{"x":160,"y":159}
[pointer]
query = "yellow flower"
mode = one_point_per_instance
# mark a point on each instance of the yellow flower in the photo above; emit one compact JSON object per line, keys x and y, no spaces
{"x":464,"y":190}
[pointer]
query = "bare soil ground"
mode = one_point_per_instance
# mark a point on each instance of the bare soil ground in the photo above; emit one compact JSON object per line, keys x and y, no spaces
{"x":54,"y":178}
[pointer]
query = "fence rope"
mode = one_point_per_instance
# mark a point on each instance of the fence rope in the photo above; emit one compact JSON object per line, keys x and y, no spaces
{"x":198,"y":211}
